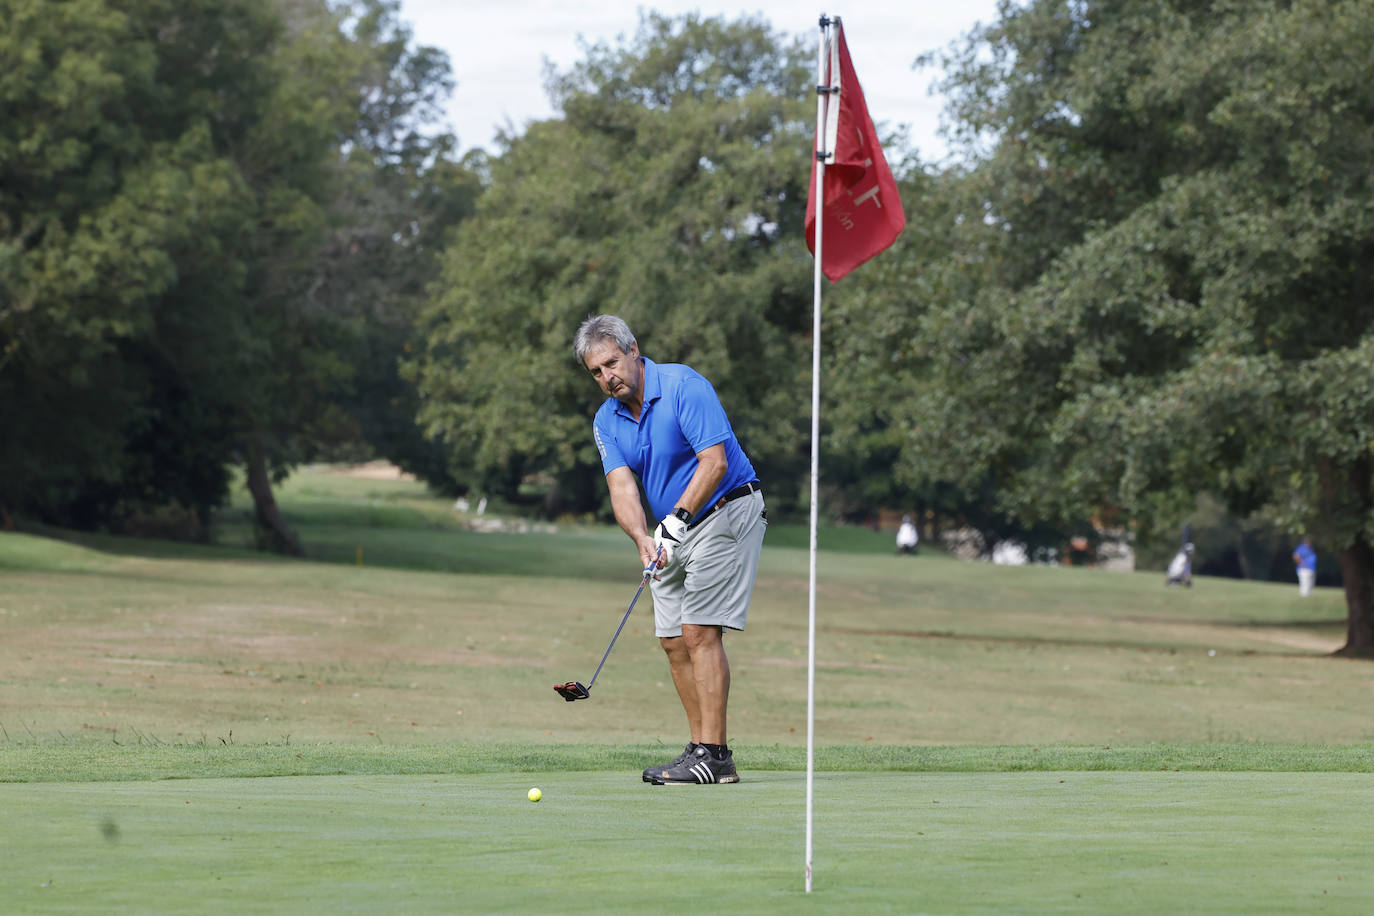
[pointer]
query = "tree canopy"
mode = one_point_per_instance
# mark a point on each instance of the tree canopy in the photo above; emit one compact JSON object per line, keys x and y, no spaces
{"x":667,"y":192}
{"x":1171,"y":232}
{"x":180,"y":185}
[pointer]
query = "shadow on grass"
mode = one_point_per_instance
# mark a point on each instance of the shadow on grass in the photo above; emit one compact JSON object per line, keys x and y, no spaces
{"x":575,"y":555}
{"x":388,"y":536}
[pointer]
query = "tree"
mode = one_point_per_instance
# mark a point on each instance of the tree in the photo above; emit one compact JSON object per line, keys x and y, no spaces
{"x":354,"y":190}
{"x":216,"y":219}
{"x":1172,"y":218}
{"x":399,"y":194}
{"x":115,"y":202}
{"x":668,"y":192}
{"x":874,"y":369}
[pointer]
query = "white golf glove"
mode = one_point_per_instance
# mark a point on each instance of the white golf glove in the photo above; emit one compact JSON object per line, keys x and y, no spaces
{"x":669,"y":537}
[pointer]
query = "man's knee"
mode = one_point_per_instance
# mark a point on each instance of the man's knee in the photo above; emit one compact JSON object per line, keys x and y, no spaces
{"x":698,"y":637}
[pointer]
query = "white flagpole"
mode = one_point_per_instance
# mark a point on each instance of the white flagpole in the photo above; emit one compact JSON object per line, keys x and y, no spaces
{"x":822,"y":102}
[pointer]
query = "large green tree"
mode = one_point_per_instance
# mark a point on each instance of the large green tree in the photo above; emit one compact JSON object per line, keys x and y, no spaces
{"x":216,"y":219}
{"x":116,"y":194}
{"x":668,"y":192}
{"x":1172,"y":226}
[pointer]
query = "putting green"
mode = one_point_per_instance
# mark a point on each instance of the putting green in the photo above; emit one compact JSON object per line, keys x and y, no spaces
{"x":884,"y":842}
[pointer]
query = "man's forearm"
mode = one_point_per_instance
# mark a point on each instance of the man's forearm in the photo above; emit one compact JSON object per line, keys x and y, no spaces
{"x":625,"y":504}
{"x":711,"y":468}
{"x":632,"y":523}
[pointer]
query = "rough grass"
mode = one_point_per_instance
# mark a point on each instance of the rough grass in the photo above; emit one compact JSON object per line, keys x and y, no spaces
{"x":116,"y":640}
{"x":86,"y":761}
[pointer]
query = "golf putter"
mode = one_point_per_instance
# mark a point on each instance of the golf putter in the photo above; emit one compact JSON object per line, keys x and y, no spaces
{"x":574,"y":690}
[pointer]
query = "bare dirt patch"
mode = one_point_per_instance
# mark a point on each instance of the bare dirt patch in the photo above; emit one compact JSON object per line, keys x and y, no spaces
{"x":371,"y":470}
{"x":1137,"y":632}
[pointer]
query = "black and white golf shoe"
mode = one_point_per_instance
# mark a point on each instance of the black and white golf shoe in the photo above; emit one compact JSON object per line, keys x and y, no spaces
{"x":686,"y":752}
{"x":699,"y":769}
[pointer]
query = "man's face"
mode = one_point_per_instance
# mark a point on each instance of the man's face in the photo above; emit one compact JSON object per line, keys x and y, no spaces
{"x":617,"y":372}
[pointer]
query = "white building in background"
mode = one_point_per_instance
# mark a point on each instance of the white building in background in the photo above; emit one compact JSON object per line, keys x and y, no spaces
{"x":1114,"y":553}
{"x":1010,"y":553}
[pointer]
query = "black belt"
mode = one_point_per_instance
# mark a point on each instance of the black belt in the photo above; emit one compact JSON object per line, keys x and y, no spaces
{"x":743,"y":489}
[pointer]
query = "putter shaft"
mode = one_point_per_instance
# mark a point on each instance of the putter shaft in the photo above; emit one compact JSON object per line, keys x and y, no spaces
{"x":644,"y":580}
{"x":575,"y":691}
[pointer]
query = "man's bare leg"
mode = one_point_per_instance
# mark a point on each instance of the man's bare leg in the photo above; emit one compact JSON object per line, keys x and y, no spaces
{"x":710,"y":671}
{"x":680,"y":666}
{"x":701,"y":674}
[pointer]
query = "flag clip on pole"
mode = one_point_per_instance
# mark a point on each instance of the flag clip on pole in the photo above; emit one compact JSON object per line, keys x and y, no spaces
{"x":826,"y":94}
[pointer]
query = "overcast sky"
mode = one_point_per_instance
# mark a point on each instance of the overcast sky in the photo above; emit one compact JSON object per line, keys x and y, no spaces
{"x":497,"y":49}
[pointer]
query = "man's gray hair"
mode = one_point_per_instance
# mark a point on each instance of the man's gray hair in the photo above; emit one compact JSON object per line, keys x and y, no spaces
{"x":598,"y":328}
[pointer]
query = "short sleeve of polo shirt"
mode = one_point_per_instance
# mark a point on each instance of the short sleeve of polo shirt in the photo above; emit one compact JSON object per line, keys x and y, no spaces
{"x":700,"y":414}
{"x":611,"y":457}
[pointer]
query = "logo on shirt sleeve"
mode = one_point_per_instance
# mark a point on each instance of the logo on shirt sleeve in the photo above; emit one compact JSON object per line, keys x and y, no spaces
{"x":600,"y":446}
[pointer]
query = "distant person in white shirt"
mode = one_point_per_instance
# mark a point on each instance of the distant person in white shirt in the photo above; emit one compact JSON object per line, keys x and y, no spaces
{"x":1181,"y":568}
{"x":907,"y":538}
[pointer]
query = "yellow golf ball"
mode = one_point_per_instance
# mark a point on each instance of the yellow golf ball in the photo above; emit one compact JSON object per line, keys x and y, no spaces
{"x":535,"y":795}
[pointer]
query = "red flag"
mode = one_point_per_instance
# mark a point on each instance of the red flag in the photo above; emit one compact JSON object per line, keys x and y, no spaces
{"x":862,"y":213}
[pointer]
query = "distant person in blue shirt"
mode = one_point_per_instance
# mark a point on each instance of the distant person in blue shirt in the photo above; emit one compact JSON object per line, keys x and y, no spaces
{"x":1305,"y":558}
{"x":662,"y":428}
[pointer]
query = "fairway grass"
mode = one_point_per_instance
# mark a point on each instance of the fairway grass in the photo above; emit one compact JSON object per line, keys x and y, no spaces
{"x":599,"y":843}
{"x":148,"y":644}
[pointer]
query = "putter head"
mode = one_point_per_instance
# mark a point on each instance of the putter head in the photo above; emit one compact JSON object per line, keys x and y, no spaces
{"x":572,"y":691}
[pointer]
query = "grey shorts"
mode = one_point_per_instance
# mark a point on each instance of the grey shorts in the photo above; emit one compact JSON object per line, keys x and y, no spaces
{"x":711,"y":583}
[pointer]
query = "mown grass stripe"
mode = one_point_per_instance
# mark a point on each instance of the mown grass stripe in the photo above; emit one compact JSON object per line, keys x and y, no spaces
{"x":78,"y":761}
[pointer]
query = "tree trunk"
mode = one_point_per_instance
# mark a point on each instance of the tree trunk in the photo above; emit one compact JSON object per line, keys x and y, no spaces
{"x":1347,"y":497}
{"x":275,"y":533}
{"x":1357,"y":569}
{"x":1242,"y":557}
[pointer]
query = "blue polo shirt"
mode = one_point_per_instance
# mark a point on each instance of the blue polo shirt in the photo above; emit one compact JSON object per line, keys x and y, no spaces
{"x":1307,"y":557}
{"x":681,"y":417}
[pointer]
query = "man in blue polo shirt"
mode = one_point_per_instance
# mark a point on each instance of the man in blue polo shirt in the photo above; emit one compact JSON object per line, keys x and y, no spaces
{"x":663,"y":428}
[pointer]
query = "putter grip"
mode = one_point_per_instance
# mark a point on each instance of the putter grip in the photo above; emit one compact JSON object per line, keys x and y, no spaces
{"x":649,"y":570}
